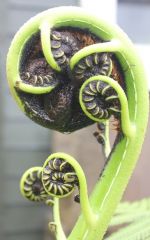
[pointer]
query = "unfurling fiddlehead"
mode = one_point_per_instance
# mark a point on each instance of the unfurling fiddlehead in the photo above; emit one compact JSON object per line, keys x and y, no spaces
{"x":95,"y":64}
{"x":61,"y":174}
{"x":51,"y":71}
{"x":31,"y":185}
{"x":59,"y":178}
{"x":63,"y":47}
{"x":100,"y":100}
{"x":67,"y":70}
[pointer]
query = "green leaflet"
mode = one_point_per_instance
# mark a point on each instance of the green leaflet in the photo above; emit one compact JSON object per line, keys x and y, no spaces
{"x":139,"y":230}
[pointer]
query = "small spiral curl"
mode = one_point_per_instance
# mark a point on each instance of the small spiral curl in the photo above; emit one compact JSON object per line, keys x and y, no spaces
{"x":38,"y":80}
{"x":39,"y":74}
{"x":63,"y":47}
{"x":59,"y":178}
{"x":100,"y":100}
{"x":94,"y":64}
{"x":32,"y":186}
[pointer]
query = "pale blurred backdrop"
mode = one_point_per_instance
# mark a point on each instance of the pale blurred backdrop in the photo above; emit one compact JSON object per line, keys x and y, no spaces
{"x":24,"y":144}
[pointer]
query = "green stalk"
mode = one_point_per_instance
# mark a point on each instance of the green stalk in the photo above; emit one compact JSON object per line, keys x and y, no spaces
{"x":109,"y":189}
{"x":107,"y":148}
{"x":60,"y":235}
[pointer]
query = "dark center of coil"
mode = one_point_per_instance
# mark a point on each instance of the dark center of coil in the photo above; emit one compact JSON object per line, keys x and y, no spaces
{"x":37,"y":187}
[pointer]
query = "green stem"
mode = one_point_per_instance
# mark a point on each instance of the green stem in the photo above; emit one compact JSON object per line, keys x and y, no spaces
{"x":60,"y":235}
{"x":30,"y":89}
{"x":46,"y":45}
{"x":107,"y":147}
{"x":109,"y":189}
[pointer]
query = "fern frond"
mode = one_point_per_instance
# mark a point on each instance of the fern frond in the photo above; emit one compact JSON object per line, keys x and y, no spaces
{"x":139,"y":230}
{"x":143,"y":205}
{"x":129,"y":217}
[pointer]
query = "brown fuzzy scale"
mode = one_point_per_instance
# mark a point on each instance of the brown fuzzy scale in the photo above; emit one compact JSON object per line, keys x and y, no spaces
{"x":65,"y":44}
{"x":59,"y":109}
{"x":116,"y":125}
{"x":38,"y":73}
{"x":117,"y":73}
{"x":84,"y":37}
{"x":99,"y":134}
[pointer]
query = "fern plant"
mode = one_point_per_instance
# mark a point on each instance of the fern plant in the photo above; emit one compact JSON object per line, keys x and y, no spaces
{"x":67,"y":70}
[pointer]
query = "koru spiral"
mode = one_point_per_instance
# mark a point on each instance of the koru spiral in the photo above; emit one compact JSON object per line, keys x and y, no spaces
{"x":47,"y":81}
{"x":31,"y":185}
{"x":59,"y":178}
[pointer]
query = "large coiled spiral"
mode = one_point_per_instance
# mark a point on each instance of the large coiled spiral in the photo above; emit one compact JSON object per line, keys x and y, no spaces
{"x":48,"y":86}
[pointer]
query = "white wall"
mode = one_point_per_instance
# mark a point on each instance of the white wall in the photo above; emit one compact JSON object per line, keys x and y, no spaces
{"x":106,"y":9}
